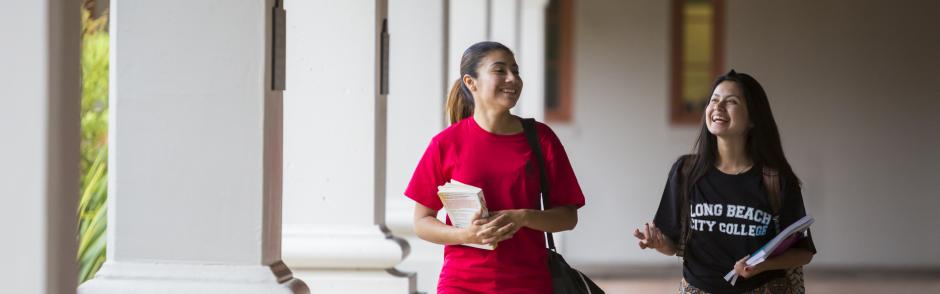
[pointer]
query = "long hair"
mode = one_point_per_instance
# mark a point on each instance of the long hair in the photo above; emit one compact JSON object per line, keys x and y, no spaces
{"x":763,"y":145}
{"x":460,"y":100}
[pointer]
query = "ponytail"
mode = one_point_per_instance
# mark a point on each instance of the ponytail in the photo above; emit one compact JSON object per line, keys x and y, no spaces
{"x":459,"y":102}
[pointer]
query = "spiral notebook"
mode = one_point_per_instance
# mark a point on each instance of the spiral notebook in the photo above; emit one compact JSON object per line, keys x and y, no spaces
{"x":777,"y":245}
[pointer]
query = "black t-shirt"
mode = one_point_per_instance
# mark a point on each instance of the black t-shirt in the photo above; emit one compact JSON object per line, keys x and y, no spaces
{"x":731,"y":216}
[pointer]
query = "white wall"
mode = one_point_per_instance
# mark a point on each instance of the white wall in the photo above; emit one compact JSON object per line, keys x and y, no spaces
{"x":853,"y":88}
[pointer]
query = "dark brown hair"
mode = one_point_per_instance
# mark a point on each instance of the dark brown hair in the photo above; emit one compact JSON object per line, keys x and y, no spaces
{"x":762,"y":145}
{"x":460,"y":100}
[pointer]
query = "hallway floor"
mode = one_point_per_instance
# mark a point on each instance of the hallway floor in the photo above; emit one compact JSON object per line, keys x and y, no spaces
{"x":818,"y":285}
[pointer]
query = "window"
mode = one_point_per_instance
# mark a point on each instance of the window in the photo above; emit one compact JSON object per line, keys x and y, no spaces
{"x":558,"y":66}
{"x":697,"y":57}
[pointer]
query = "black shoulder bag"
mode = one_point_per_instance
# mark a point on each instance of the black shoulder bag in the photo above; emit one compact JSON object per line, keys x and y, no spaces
{"x":565,"y":279}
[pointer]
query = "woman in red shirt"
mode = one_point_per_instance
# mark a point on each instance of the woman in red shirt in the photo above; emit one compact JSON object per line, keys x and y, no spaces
{"x":485,"y":147}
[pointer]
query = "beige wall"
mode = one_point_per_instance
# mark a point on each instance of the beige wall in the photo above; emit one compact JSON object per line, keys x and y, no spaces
{"x":854,"y":91}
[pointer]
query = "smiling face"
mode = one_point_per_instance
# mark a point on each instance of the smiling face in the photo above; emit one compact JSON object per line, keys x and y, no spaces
{"x":497,"y":85}
{"x":726,"y":114}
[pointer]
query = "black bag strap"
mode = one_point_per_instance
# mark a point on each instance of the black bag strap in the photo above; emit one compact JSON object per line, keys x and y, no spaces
{"x":528,"y":127}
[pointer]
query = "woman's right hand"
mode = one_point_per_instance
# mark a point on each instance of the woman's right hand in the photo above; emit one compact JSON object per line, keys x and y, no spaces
{"x":651,"y":237}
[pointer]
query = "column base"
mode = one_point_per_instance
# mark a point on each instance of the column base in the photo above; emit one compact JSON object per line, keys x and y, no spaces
{"x":426,"y":260}
{"x":347,"y":258}
{"x":153,"y":278}
{"x":341,"y":247}
{"x":358,"y":281}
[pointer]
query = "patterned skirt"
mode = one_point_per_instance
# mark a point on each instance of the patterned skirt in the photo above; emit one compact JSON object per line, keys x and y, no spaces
{"x":775,"y":286}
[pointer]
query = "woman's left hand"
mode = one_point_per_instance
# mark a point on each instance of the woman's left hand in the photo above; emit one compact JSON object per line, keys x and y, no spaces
{"x":746,"y":271}
{"x":502,"y":225}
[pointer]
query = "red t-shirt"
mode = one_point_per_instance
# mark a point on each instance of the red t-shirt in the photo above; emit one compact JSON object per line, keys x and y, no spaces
{"x":502,"y":165}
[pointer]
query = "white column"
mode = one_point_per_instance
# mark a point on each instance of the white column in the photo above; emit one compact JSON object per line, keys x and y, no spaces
{"x":505,"y":25}
{"x":531,"y":57}
{"x":415,"y":114}
{"x":469,"y":23}
{"x":335,"y":236}
{"x":518,"y":24}
{"x":40,"y":125}
{"x":505,"y":22}
{"x":195,"y":142}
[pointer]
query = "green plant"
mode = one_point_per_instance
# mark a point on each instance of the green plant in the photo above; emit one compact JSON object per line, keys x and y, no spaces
{"x":92,"y":208}
{"x":93,"y":217}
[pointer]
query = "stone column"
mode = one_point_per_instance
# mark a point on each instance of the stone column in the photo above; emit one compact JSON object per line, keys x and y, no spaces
{"x":195,"y":160}
{"x":469,"y":23}
{"x":419,"y":87}
{"x":39,"y":120}
{"x":531,"y":57}
{"x":335,"y":235}
{"x":505,"y":22}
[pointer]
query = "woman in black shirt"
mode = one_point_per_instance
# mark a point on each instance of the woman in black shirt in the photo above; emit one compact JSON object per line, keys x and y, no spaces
{"x":716,"y":210}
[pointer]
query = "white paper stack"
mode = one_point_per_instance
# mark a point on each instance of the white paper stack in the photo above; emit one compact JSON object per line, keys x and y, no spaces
{"x":462,"y":201}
